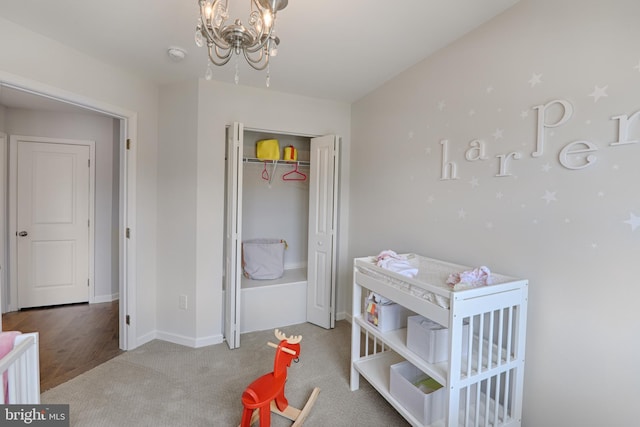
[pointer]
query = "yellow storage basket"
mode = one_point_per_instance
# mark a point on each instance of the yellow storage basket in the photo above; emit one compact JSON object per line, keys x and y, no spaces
{"x":268,"y":149}
{"x":290,"y":153}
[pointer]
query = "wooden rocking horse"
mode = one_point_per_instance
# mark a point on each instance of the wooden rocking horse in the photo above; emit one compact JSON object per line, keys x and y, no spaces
{"x":266,"y":394}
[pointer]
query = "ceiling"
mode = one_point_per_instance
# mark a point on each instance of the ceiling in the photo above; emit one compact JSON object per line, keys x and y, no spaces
{"x":333,"y":49}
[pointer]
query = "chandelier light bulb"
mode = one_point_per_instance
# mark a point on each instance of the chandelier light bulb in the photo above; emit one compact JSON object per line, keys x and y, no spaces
{"x":267,"y":19}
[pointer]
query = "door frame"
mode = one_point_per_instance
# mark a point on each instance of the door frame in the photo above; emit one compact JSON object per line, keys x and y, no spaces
{"x":4,"y":262}
{"x":14,"y":140}
{"x":127,"y":287}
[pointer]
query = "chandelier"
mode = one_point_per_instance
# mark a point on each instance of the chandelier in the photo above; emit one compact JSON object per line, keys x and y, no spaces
{"x":256,"y":41}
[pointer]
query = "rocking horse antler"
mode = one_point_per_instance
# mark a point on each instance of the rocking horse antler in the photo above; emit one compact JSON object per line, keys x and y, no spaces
{"x":291,"y":340}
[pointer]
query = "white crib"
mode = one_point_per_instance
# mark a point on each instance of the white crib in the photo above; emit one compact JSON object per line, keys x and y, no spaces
{"x":22,"y":368}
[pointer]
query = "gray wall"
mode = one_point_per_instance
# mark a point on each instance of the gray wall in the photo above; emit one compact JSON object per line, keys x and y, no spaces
{"x":191,"y":184}
{"x":571,"y":227}
{"x":48,"y":66}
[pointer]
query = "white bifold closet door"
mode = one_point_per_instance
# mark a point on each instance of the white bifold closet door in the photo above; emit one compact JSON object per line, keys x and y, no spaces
{"x":321,"y":263}
{"x":322,"y":226}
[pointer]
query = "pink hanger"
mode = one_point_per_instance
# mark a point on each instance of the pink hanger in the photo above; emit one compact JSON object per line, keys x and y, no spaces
{"x":294,"y":175}
{"x":265,"y":173}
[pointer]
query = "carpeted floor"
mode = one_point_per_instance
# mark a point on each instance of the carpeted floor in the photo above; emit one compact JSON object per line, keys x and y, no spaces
{"x":164,"y":384}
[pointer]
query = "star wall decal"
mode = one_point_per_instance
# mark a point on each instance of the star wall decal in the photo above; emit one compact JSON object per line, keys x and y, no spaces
{"x":637,"y":67}
{"x":498,"y":134}
{"x":549,"y":196}
{"x":474,"y":182}
{"x":599,"y":92}
{"x":546,"y":167}
{"x":535,"y":79}
{"x":633,"y":221}
{"x":441,"y":105}
{"x":489,"y":89}
{"x":462,"y":214}
{"x":524,"y":114}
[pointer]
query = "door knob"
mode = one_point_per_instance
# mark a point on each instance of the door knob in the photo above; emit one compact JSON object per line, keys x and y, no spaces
{"x":22,"y":233}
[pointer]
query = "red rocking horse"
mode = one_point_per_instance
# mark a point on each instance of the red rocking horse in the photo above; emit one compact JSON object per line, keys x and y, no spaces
{"x":266,"y":394}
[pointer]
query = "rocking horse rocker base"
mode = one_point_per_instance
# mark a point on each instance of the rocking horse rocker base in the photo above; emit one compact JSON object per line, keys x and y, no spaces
{"x":294,"y":414}
{"x":266,"y":394}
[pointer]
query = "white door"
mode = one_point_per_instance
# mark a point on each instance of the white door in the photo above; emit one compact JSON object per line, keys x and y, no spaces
{"x":233,"y":238}
{"x":323,"y":181}
{"x":52,"y":224}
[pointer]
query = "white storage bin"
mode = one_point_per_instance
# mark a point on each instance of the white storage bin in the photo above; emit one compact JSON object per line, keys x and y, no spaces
{"x":430,"y":340}
{"x":427,"y":406}
{"x":386,"y":317}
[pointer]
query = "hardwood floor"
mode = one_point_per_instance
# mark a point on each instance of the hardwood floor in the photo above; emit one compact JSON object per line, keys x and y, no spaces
{"x":73,"y":338}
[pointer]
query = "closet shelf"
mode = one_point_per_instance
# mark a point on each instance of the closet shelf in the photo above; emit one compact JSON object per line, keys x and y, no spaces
{"x":286,"y":162}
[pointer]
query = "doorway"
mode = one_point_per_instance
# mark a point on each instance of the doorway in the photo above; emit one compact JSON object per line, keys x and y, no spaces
{"x":125,"y":126}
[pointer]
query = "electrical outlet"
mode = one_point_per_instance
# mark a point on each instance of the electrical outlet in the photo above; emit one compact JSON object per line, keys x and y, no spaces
{"x":182,"y":302}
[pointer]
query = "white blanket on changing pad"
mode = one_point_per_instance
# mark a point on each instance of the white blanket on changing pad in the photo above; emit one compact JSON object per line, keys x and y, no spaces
{"x":390,"y":260}
{"x":480,"y":276}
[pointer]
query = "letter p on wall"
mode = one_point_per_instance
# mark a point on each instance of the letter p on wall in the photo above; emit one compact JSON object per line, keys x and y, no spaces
{"x":566,"y":113}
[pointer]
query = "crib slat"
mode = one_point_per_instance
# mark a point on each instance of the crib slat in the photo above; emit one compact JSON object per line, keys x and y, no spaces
{"x":510,"y":352}
{"x":500,"y":339}
{"x":490,"y":341}
{"x":487,"y":402}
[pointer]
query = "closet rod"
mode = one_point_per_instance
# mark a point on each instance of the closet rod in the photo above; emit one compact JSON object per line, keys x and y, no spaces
{"x":288,"y":162}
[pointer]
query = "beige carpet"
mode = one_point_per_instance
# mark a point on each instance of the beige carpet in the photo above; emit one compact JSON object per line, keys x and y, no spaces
{"x":164,"y":384}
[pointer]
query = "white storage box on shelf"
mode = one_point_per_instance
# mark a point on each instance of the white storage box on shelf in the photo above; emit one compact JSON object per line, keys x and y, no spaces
{"x":430,"y":340}
{"x":386,"y":317}
{"x":426,"y":405}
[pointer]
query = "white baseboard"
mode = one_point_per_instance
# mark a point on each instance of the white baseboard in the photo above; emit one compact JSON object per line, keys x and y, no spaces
{"x":105,"y":298}
{"x":180,"y":339}
{"x":142,"y":340}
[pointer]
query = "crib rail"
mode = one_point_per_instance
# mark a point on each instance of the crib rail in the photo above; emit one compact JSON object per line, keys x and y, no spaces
{"x":20,"y":371}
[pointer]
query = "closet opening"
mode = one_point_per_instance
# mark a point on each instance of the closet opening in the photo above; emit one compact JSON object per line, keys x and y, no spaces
{"x":292,"y":201}
{"x":276,"y":206}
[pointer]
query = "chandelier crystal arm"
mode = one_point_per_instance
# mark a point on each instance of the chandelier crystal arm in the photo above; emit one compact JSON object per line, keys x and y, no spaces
{"x":264,"y":38}
{"x":225,"y":57}
{"x":208,"y":27}
{"x":255,"y":63}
